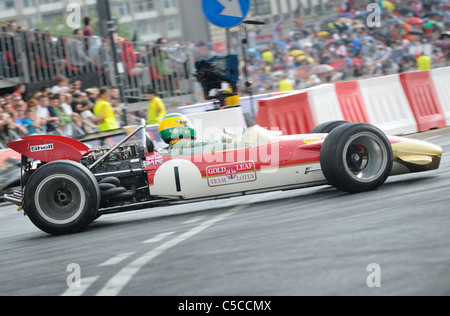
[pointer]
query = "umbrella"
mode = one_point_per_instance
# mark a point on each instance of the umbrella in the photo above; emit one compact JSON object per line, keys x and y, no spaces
{"x":408,"y":58}
{"x":407,"y":11}
{"x":331,"y":41}
{"x":368,"y":38}
{"x":335,"y":42}
{"x":434,"y":13}
{"x":278,"y":73}
{"x":295,"y":47}
{"x":345,"y":20}
{"x":416,"y":32}
{"x":281,"y":43}
{"x":389,"y":6}
{"x":323,"y":33}
{"x":395,"y":21}
{"x":359,"y":26}
{"x":296,"y":52}
{"x":378,"y":33}
{"x":346,"y":15}
{"x":319,"y":46}
{"x":302,"y":32}
{"x":362,"y":15}
{"x":443,"y":44}
{"x":431,"y":24}
{"x":308,"y":58}
{"x":445,"y":35}
{"x":413,"y":21}
{"x":252,"y":52}
{"x":321,"y":69}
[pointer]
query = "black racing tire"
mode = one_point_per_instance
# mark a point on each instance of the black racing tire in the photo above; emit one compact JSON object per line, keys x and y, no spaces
{"x":62,"y":197}
{"x":356,"y":158}
{"x":327,"y":127}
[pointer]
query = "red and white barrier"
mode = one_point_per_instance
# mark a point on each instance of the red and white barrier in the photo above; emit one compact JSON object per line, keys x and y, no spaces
{"x":397,"y":104}
{"x":441,"y":81}
{"x":290,"y":113}
{"x":423,"y":100}
{"x":351,"y":102}
{"x":387,"y":105}
{"x":324,"y":104}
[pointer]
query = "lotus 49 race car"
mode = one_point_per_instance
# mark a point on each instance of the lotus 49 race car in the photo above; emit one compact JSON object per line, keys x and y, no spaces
{"x":66,"y":185}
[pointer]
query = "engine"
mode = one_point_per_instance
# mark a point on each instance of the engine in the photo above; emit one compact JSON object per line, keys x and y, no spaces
{"x":126,"y":151}
{"x":121,"y":174}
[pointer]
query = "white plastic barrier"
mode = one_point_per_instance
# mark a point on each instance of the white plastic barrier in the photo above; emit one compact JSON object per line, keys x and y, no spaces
{"x":324,"y":104}
{"x":387,"y":105}
{"x":210,"y":125}
{"x":245,"y":102}
{"x":441,"y":80}
{"x":248,"y":102}
{"x":196,"y":108}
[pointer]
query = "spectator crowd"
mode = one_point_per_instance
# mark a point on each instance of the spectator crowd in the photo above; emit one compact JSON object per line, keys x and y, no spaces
{"x":62,"y":109}
{"x":410,"y":35}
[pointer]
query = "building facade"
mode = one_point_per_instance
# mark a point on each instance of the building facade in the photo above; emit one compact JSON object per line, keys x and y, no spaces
{"x":176,"y":20}
{"x":152,"y":19}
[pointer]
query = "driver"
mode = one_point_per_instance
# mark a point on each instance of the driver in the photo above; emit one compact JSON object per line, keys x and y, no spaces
{"x":176,"y":130}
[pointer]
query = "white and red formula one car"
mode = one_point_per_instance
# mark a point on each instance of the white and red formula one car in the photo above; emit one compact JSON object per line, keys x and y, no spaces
{"x":66,"y":185}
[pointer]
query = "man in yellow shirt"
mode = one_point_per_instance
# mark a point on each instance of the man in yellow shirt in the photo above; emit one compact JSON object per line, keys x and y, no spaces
{"x":285,"y":85}
{"x":424,"y":62}
{"x":104,"y":112}
{"x":156,"y":108}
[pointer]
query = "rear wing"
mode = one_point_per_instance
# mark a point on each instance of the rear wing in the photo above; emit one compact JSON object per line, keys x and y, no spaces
{"x":49,"y":148}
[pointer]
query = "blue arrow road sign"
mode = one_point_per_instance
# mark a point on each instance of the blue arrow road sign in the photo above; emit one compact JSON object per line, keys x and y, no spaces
{"x":226,"y":13}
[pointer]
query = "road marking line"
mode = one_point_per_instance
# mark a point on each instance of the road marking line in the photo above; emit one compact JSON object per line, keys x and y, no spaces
{"x":124,"y":276}
{"x":195,"y":220}
{"x":117,"y":259}
{"x":78,"y":291}
{"x":158,"y":238}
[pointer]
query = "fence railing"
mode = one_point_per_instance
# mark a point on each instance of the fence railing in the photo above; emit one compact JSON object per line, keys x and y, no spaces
{"x":36,"y":57}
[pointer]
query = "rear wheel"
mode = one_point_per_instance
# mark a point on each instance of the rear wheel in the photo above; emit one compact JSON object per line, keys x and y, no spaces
{"x":62,"y":197}
{"x":327,"y":127}
{"x":356,"y":158}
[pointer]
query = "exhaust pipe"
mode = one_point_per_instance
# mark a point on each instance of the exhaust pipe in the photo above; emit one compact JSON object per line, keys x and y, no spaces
{"x":16,"y":197}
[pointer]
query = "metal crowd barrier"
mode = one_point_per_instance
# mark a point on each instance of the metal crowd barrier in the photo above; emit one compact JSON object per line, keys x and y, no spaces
{"x":38,"y":57}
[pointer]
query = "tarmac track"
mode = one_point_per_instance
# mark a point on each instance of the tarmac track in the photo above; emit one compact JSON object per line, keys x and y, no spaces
{"x":315,"y":241}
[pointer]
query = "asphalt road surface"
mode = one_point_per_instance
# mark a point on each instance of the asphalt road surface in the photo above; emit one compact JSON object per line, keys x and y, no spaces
{"x":315,"y":241}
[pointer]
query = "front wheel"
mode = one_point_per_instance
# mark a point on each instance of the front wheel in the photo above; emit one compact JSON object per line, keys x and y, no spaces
{"x":62,"y":197}
{"x":356,"y":158}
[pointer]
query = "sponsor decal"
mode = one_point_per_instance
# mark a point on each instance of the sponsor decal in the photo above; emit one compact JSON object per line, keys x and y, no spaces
{"x":234,"y":173}
{"x":154,"y":160}
{"x":45,"y":147}
{"x":312,"y":140}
